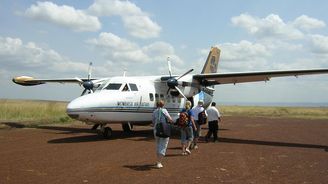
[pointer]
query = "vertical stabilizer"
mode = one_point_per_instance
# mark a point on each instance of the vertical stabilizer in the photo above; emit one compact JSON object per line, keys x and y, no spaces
{"x":212,"y":61}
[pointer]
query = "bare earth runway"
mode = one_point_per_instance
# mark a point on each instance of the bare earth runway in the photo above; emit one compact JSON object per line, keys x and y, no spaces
{"x":251,"y":150}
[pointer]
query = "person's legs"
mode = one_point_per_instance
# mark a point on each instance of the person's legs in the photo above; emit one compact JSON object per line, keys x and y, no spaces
{"x":161,"y":150}
{"x":196,"y":136}
{"x":210,"y":131}
{"x":183,"y":140}
{"x":215,"y":131}
{"x":190,"y":135}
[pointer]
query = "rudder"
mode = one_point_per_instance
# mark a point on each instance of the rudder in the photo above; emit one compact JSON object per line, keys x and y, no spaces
{"x":212,"y":61}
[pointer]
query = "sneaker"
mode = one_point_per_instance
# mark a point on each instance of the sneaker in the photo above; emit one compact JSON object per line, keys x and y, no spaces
{"x":159,"y":165}
{"x":188,"y":151}
{"x":195,"y":147}
{"x":183,"y":153}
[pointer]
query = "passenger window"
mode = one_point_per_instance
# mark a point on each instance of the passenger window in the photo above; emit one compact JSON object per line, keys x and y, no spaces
{"x":113,"y":86}
{"x":126,"y":88}
{"x":156,"y":96}
{"x":161,"y":96}
{"x":133,"y":87}
{"x":151,"y":97}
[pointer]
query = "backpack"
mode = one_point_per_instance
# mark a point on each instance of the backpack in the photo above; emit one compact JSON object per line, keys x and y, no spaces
{"x":162,"y":129}
{"x":202,"y":118}
{"x":183,"y":119}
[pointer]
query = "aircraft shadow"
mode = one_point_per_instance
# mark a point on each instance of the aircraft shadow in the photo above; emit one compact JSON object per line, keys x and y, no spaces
{"x":136,"y":135}
{"x":272,"y":143}
{"x":14,"y":125}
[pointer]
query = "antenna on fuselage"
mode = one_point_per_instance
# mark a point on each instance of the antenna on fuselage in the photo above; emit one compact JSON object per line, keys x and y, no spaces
{"x":169,"y":65}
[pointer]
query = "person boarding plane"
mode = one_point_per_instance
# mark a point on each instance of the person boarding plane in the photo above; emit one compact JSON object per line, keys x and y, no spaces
{"x":131,"y":100}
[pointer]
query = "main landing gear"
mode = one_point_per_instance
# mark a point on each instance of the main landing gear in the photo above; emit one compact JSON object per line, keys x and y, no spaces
{"x":127,"y":127}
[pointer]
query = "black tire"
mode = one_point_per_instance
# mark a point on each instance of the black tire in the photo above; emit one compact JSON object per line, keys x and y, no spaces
{"x":107,"y":133}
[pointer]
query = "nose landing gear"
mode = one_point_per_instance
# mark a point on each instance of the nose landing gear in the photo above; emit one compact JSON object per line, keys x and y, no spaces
{"x":105,"y":132}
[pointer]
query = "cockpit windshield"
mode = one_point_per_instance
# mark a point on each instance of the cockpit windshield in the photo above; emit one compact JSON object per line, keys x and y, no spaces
{"x":113,"y":86}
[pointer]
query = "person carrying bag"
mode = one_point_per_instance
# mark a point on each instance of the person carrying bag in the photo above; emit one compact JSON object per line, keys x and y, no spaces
{"x":162,"y":131}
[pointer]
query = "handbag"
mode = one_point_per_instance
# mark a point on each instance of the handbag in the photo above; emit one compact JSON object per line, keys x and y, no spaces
{"x":161,"y":131}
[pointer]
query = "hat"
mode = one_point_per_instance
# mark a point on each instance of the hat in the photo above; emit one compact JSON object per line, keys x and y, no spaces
{"x":200,"y":102}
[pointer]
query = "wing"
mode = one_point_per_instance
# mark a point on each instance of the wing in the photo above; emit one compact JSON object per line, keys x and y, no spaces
{"x":30,"y":81}
{"x":233,"y":78}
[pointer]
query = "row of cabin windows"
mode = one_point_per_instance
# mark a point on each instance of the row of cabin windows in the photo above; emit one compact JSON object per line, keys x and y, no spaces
{"x":167,"y":99}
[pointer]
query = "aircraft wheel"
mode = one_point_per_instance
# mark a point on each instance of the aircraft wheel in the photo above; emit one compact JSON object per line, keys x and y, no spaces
{"x":127,"y":127}
{"x":107,"y":132}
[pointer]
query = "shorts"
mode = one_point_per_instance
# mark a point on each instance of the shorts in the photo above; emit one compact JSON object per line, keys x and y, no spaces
{"x":197,"y":131}
{"x":186,"y":134}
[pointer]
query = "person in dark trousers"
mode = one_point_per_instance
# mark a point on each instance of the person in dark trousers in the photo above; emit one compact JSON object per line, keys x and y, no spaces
{"x":214,"y":118}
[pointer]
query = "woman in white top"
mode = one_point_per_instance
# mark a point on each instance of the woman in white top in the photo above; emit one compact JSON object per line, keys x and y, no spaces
{"x":160,"y":115}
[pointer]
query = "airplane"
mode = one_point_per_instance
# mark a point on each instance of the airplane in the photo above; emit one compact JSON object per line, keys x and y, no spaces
{"x":130,"y":100}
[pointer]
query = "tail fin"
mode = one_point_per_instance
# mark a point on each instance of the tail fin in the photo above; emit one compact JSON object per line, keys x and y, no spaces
{"x":212,"y":61}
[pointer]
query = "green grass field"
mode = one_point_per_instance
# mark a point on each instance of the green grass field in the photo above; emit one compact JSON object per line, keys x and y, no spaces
{"x":34,"y":113}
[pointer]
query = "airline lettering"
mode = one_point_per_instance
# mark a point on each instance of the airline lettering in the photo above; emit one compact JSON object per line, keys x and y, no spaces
{"x":132,"y":104}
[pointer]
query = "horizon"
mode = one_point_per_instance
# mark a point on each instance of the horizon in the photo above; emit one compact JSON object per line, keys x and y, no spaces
{"x":58,"y":39}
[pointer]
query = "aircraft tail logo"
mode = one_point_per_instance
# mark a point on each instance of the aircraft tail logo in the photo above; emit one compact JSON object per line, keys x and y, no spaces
{"x":212,"y":61}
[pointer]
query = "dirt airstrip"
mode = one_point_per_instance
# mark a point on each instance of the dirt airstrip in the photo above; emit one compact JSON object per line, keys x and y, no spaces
{"x":250,"y":150}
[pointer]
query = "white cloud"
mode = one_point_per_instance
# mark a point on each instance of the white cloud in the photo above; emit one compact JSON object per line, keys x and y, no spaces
{"x":122,"y":53}
{"x":114,"y":7}
{"x":243,"y":56}
{"x":307,"y":23}
{"x":123,"y":50}
{"x":17,"y":58}
{"x":271,"y":26}
{"x":319,"y":44}
{"x":66,"y":16}
{"x":137,"y":22}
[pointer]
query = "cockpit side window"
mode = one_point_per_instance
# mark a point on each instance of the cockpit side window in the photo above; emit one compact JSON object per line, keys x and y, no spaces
{"x":113,"y":86}
{"x":126,"y":88}
{"x":133,"y":87}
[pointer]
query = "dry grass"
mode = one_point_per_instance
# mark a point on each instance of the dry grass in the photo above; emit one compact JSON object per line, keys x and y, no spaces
{"x":276,"y":112}
{"x":28,"y":111}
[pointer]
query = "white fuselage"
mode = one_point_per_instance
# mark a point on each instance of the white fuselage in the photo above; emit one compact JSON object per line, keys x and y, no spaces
{"x":127,"y":99}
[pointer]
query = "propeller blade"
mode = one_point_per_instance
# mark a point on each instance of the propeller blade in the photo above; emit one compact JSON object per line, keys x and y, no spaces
{"x":185,"y":74}
{"x":78,"y":79}
{"x":169,"y":65}
{"x":168,"y":90}
{"x":85,"y":90}
{"x":89,"y":70}
{"x":180,"y":92}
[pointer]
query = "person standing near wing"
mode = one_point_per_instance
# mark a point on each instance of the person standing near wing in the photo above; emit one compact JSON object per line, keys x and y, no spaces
{"x":160,"y":115}
{"x":214,"y":118}
{"x":197,"y":111}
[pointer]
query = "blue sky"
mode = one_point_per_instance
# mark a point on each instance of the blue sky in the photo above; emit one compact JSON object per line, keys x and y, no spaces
{"x":56,"y":39}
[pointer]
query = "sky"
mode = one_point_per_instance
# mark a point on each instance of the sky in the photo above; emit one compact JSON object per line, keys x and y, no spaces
{"x":58,"y":39}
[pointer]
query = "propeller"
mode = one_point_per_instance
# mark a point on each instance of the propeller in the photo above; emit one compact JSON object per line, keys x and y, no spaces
{"x":173,"y":82}
{"x":87,"y":84}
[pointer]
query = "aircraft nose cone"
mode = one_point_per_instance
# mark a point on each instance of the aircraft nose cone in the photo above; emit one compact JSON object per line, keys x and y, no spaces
{"x":73,"y":107}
